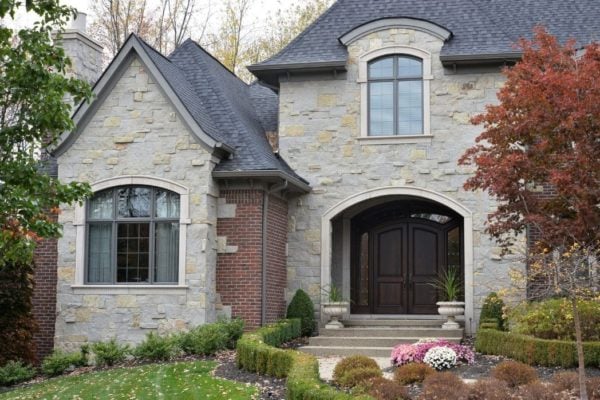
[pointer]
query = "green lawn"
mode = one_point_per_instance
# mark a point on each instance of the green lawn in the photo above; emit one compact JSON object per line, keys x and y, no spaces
{"x":183,"y":380}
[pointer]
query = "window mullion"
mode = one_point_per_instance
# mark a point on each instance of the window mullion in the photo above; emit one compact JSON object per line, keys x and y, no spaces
{"x":113,"y":252}
{"x":152,"y":238}
{"x":151,"y":250}
{"x":395,"y":94}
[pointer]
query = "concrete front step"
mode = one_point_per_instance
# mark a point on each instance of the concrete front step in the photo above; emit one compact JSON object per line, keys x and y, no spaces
{"x":436,"y":323}
{"x":368,"y":341}
{"x":324,"y":351}
{"x":419,"y":332}
{"x":377,"y":337}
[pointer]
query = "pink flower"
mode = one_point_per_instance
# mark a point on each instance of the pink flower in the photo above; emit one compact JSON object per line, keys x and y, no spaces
{"x":403,"y":354}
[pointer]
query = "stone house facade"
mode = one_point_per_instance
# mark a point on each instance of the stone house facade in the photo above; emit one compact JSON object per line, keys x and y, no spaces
{"x":196,"y":214}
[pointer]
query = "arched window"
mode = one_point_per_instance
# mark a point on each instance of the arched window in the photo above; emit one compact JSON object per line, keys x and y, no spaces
{"x":395,"y":96}
{"x":133,"y":236}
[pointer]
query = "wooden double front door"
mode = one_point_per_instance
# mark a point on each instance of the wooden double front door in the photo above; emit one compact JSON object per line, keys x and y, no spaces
{"x":395,"y":262}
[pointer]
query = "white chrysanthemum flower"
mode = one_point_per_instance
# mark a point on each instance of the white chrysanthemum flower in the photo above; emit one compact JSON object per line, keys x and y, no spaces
{"x":440,"y":358}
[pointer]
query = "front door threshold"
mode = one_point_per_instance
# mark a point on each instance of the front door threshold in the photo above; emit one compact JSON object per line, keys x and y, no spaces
{"x":395,"y":316}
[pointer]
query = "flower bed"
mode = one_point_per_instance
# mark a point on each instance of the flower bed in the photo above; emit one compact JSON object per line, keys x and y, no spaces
{"x":439,"y":359}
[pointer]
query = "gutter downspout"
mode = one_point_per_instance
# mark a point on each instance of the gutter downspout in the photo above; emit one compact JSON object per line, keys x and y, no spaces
{"x":266,"y":193}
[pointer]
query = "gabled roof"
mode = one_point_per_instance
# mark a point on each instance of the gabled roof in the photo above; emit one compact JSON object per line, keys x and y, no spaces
{"x":481,"y":29}
{"x":217,"y":106}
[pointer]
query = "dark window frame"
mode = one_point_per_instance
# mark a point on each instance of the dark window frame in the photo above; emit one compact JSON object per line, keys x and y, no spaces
{"x":395,"y":80}
{"x":152,"y":220}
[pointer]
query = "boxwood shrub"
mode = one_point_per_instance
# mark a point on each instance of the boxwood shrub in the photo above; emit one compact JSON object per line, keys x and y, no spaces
{"x":303,"y":308}
{"x":533,"y":351}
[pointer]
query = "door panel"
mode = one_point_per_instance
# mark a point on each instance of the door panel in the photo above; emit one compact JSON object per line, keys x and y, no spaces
{"x":389,"y":250}
{"x":424,"y":262}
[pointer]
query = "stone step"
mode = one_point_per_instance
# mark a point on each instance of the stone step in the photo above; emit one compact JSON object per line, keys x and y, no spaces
{"x":419,"y":332}
{"x":324,"y":351}
{"x":374,"y":342}
{"x":394,"y":322}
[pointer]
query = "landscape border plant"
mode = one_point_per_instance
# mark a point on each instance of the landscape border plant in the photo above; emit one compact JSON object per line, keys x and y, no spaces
{"x":533,"y":351}
{"x":514,"y":373}
{"x":59,"y":361}
{"x":303,"y":308}
{"x":14,"y":372}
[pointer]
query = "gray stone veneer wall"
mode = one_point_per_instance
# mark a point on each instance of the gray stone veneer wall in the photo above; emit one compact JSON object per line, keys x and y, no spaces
{"x":136,"y":131}
{"x":319,"y":137}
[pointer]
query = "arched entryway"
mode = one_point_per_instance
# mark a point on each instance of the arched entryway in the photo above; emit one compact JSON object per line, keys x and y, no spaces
{"x":398,"y":249}
{"x":384,"y":246}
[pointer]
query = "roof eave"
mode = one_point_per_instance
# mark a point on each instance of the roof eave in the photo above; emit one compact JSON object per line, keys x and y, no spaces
{"x":481,"y":59}
{"x":294,"y":183}
{"x":269,"y":73}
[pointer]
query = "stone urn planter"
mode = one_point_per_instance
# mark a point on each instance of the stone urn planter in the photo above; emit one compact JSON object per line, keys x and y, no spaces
{"x":451,"y":310}
{"x":335,"y":311}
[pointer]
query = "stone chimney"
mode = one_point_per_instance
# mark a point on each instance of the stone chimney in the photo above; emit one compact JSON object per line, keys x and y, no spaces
{"x":85,"y":53}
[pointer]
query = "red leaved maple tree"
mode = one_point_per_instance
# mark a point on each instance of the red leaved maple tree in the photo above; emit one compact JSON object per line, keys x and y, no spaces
{"x":539,"y":156}
{"x":543,"y":134}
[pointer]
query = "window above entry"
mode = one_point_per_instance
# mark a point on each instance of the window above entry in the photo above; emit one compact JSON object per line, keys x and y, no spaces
{"x":396,"y":96}
{"x":395,"y":84}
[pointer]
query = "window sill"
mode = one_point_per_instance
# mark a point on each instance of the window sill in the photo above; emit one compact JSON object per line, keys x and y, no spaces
{"x":128,"y":289}
{"x":380,"y":140}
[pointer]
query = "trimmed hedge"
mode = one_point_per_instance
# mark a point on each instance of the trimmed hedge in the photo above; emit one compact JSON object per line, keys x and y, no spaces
{"x":258,"y":352}
{"x":303,"y":382}
{"x":534,"y":351}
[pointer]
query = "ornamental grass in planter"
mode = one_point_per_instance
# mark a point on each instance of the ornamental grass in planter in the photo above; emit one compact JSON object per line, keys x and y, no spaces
{"x":449,"y":285}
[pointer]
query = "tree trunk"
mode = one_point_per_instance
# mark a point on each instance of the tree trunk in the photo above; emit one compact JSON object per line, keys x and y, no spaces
{"x":579,"y":344}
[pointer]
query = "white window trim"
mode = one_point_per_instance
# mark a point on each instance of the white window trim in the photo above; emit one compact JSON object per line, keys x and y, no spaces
{"x":363,"y":81}
{"x":79,"y":222}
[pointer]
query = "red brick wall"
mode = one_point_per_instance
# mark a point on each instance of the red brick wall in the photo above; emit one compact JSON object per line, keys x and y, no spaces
{"x":276,"y":258}
{"x":239,"y":274}
{"x":44,"y":296}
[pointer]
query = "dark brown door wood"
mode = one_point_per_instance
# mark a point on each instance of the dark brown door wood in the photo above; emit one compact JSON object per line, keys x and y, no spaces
{"x":404,"y":258}
{"x":389,"y":249}
{"x":425,"y":258}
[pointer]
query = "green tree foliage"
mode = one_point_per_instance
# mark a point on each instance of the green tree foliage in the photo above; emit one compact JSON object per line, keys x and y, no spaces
{"x":33,"y":113}
{"x":303,"y":308}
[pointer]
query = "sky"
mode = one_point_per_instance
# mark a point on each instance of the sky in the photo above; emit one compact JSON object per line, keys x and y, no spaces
{"x":257,"y":15}
{"x":257,"y":10}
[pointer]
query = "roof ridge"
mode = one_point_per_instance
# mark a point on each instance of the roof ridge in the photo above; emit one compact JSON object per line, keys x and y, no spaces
{"x":304,"y":32}
{"x":149,"y":46}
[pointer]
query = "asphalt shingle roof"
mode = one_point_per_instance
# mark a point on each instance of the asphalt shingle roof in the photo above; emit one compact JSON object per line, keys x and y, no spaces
{"x":226,"y":108}
{"x":479,"y":27}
